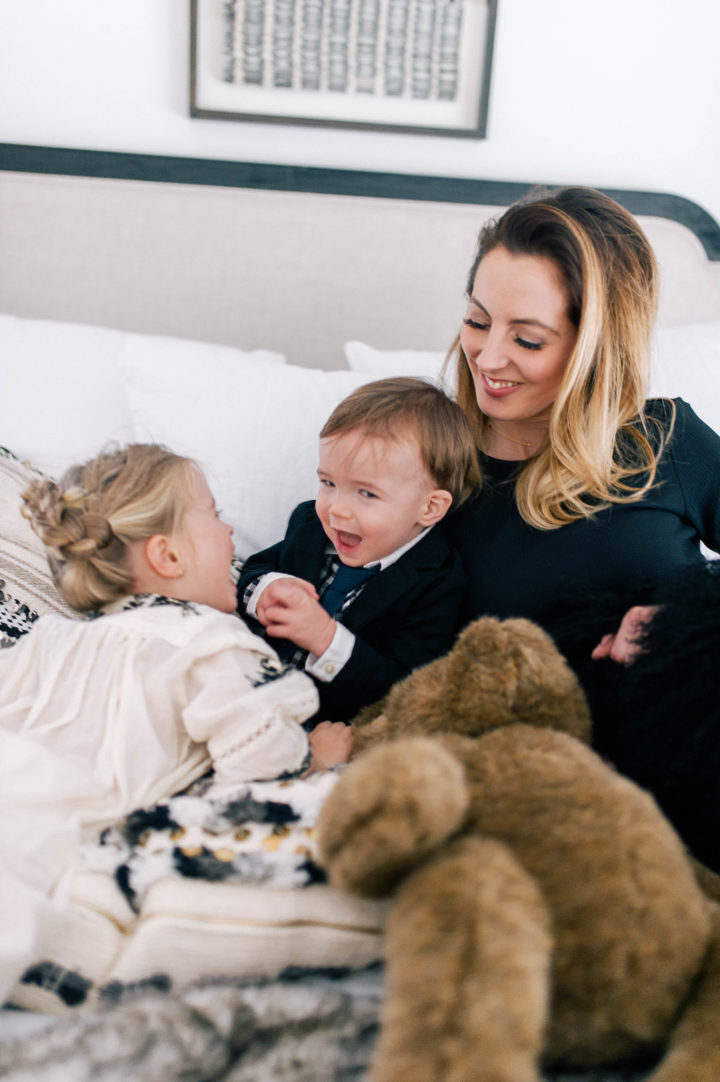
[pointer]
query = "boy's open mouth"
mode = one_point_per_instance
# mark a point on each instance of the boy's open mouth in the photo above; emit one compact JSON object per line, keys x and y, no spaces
{"x":347,"y":541}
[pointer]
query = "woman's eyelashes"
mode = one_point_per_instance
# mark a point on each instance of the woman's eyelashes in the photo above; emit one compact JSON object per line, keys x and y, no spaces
{"x":476,"y":325}
{"x":529,"y":345}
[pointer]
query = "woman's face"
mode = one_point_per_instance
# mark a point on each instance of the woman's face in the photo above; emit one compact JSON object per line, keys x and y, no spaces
{"x":517,"y":336}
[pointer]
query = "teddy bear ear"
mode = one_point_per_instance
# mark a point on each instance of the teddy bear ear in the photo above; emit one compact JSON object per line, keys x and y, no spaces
{"x":548,"y":693}
{"x":506,"y":671}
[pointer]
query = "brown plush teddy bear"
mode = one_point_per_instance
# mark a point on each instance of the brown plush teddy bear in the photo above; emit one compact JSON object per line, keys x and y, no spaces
{"x":544,"y":912}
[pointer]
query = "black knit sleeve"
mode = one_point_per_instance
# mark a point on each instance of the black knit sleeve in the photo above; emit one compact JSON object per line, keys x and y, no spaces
{"x":694,"y":449}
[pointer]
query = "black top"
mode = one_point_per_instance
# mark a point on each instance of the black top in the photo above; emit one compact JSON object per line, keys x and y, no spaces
{"x":578,"y":580}
{"x":404,"y":617}
{"x":626,"y":550}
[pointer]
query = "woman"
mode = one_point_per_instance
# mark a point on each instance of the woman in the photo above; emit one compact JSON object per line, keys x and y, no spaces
{"x":593,"y":499}
{"x":588,"y":489}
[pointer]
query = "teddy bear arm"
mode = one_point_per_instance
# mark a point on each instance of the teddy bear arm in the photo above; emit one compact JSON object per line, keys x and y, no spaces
{"x":392,"y":806}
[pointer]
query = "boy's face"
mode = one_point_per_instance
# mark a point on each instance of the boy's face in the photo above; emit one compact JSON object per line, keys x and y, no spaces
{"x":375,"y":495}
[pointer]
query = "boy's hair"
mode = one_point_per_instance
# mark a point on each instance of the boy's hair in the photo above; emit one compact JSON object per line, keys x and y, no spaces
{"x":408,"y":408}
{"x":87,"y":519}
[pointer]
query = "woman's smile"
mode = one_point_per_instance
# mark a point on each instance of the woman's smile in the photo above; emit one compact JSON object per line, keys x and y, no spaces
{"x":499,"y":387}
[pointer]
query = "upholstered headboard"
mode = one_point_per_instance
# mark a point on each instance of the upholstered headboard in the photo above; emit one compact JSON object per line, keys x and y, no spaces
{"x":294,"y":259}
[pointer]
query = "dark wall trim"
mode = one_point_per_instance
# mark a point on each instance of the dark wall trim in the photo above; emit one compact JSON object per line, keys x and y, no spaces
{"x":296,"y":178}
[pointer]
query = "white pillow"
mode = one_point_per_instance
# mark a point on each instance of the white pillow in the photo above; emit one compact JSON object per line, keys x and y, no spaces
{"x":686,"y":364}
{"x":383,"y":363}
{"x":63,"y":394}
{"x":253,"y":428}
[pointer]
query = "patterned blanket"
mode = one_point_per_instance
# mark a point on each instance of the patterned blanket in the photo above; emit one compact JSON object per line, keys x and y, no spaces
{"x":261,"y":833}
{"x":317,"y":1028}
{"x":302,"y":1027}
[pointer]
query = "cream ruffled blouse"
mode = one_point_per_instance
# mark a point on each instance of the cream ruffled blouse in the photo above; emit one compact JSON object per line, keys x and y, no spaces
{"x":104,"y":715}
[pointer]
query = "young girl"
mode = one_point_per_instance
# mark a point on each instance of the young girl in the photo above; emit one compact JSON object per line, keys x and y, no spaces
{"x":158,"y":683}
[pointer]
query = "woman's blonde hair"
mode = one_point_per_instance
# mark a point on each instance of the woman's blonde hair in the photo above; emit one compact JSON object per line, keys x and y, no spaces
{"x":602,"y":447}
{"x":404,"y":407}
{"x":88,"y":518}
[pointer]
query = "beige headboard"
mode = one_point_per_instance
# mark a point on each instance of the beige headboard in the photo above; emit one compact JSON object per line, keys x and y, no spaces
{"x":296,"y":260}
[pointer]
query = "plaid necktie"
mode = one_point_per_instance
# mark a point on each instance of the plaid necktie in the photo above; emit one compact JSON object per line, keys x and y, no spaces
{"x":345,"y":581}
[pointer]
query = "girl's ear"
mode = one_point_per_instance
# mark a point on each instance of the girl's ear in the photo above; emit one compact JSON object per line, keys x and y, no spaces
{"x":436,"y":507}
{"x":163,"y":557}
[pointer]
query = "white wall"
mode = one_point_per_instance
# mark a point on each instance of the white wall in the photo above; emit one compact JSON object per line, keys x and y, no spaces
{"x":620,"y":93}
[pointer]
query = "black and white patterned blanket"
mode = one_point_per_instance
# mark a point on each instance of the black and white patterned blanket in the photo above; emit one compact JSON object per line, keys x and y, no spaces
{"x":261,"y":833}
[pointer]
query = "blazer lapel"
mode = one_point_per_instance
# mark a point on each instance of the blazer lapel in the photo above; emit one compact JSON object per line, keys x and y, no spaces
{"x":383,"y":590}
{"x":380,"y":594}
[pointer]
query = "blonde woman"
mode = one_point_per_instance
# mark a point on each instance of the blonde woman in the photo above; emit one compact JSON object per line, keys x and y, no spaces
{"x":159,"y":682}
{"x":588,"y":489}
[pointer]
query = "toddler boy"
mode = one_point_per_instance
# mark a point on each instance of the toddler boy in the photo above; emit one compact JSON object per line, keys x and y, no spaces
{"x":365,"y":586}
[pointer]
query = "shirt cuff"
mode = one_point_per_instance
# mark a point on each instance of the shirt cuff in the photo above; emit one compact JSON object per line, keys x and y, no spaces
{"x":251,"y":602}
{"x":328,"y":665}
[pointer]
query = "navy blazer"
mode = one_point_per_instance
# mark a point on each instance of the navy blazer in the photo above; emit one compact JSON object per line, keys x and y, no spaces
{"x":404,"y":617}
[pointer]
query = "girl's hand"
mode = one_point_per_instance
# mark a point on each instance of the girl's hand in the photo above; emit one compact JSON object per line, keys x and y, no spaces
{"x":626,"y":643}
{"x":331,"y":743}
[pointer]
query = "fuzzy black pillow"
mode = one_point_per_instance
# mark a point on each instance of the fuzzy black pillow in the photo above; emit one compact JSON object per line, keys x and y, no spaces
{"x":658,"y":720}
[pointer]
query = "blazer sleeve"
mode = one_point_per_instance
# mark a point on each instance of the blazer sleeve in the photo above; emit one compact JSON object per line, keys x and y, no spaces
{"x":285,"y":556}
{"x":412,"y":634}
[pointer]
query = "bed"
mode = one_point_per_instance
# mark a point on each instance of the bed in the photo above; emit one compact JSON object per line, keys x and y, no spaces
{"x":224,"y":308}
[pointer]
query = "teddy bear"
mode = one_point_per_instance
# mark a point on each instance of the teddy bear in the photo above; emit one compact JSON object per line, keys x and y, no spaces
{"x":543,"y":912}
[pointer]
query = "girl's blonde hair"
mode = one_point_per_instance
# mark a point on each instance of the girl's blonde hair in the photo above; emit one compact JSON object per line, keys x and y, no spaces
{"x":88,"y":518}
{"x":602,"y":447}
{"x":404,"y":407}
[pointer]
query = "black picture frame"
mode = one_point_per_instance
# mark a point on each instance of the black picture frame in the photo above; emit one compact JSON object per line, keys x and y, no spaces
{"x":430,"y":95}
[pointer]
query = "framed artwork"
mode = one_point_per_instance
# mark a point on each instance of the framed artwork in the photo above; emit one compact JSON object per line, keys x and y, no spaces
{"x":405,"y":65}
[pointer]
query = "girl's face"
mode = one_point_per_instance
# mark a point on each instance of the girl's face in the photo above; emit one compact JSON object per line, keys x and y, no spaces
{"x":517,"y":337}
{"x":205,"y":546}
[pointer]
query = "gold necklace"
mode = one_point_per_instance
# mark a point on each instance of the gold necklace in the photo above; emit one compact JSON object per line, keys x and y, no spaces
{"x":520,"y":443}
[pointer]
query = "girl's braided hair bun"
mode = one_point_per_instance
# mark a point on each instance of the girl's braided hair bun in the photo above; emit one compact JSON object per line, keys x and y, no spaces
{"x":63,"y":523}
{"x":87,"y":520}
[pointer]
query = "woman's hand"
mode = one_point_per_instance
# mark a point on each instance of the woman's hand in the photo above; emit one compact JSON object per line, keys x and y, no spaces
{"x":331,"y":743}
{"x":626,"y":643}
